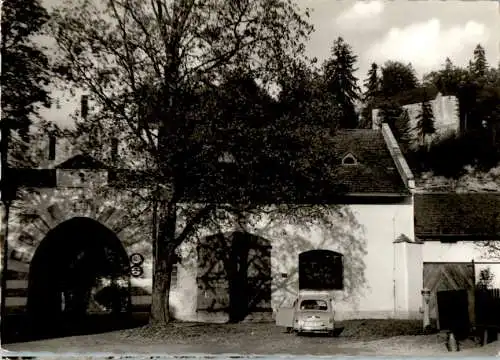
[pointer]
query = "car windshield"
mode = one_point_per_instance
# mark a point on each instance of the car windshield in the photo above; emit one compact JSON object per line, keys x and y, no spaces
{"x":313,"y":305}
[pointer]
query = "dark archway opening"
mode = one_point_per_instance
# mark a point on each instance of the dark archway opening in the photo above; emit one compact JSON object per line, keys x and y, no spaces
{"x":321,"y":270}
{"x":234,"y":275}
{"x":79,"y":281}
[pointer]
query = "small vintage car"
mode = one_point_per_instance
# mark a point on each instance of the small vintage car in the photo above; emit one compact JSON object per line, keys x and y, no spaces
{"x":312,"y":312}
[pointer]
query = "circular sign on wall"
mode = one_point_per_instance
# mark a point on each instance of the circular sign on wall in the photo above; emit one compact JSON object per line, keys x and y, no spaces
{"x":136,"y":259}
{"x":136,"y":271}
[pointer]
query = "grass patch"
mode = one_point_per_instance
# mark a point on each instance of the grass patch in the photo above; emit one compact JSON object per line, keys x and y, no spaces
{"x":370,"y":329}
{"x":189,"y":332}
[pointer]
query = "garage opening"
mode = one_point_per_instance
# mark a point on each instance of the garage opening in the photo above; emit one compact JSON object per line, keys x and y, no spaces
{"x":78,"y":280}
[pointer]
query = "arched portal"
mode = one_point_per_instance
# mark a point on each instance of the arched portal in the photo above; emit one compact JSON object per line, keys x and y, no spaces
{"x":79,"y":263}
{"x":321,"y":270}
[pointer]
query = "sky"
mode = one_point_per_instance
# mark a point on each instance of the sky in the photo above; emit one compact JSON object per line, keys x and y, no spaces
{"x":422,"y":33}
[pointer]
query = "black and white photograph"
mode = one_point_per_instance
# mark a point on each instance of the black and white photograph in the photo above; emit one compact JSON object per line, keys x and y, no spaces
{"x":239,"y":178}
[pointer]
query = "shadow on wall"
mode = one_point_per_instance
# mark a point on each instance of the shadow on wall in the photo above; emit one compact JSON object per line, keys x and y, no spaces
{"x":256,"y":270}
{"x":234,"y":274}
{"x":337,"y":230}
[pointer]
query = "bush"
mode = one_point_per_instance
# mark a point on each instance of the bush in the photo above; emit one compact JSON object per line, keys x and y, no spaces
{"x":448,"y":156}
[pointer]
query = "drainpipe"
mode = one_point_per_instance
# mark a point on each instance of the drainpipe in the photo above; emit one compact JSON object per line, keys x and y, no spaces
{"x":394,"y":265}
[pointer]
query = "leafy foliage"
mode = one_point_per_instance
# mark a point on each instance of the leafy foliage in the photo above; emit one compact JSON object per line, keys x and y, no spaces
{"x":486,"y":278}
{"x":477,"y":90}
{"x":397,"y":78}
{"x":24,"y":66}
{"x":24,"y":76}
{"x":181,"y":83}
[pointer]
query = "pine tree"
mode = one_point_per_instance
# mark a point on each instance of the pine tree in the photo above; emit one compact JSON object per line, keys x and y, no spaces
{"x":341,"y":83}
{"x":425,"y":121}
{"x":372,"y":89}
{"x":403,"y":129}
{"x":479,"y":65}
{"x":372,"y":83}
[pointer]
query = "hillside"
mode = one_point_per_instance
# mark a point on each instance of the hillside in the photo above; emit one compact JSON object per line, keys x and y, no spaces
{"x":472,"y":181}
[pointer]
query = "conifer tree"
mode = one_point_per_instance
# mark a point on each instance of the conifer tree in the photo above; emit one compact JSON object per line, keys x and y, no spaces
{"x":372,"y":83}
{"x":402,"y":130}
{"x":479,"y":65}
{"x":372,"y":89}
{"x":425,"y":121}
{"x":341,"y":82}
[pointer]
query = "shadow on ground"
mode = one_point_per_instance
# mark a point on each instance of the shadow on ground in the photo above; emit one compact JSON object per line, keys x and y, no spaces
{"x":16,"y":328}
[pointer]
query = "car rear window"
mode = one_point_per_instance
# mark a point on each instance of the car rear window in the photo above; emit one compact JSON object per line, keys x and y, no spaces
{"x":313,"y":305}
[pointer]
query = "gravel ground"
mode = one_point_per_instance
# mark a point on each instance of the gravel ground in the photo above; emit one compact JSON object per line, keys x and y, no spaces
{"x":369,"y":337}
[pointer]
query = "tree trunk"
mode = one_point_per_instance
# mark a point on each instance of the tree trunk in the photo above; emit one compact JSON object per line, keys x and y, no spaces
{"x":5,"y":198}
{"x":164,"y":260}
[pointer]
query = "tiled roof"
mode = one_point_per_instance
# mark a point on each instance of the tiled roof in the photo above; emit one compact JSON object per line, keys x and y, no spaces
{"x":81,"y":161}
{"x":375,"y":172}
{"x":460,"y":215}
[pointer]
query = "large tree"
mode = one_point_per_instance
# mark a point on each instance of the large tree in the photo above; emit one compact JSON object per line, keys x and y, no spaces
{"x":397,"y":78}
{"x":145,"y":62}
{"x":479,"y":65}
{"x":304,"y":98}
{"x":341,"y":82}
{"x":372,"y":90}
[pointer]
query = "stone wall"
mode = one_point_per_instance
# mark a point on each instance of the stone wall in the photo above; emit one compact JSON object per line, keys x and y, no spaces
{"x":445,"y":109}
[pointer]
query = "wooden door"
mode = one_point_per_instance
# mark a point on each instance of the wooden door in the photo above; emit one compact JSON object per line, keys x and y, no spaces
{"x":234,"y":274}
{"x":449,"y":276}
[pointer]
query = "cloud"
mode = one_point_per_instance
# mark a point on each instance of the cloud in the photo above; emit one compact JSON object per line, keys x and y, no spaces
{"x":362,"y":15}
{"x":427,"y":44}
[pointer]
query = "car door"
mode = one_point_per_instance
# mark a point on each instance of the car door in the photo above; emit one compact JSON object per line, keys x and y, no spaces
{"x":286,"y":315}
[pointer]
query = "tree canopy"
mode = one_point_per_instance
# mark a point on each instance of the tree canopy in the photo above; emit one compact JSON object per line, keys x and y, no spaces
{"x":25,"y":68}
{"x":183,"y":81}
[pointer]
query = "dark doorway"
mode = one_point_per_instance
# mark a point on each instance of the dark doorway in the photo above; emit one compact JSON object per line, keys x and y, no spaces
{"x":234,"y":274}
{"x":321,"y":270}
{"x":449,"y":276}
{"x":80,"y":263}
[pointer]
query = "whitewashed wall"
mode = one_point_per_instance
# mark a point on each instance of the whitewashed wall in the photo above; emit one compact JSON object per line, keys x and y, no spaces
{"x":364,"y":234}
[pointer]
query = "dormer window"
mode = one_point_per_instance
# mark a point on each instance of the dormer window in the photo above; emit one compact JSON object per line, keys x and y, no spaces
{"x":349,"y":159}
{"x":226,"y":158}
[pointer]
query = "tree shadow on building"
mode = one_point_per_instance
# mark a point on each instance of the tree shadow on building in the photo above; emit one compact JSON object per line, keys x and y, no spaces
{"x":234,"y":275}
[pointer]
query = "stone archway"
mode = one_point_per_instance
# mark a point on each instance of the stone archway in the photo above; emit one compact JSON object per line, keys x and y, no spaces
{"x":67,"y":268}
